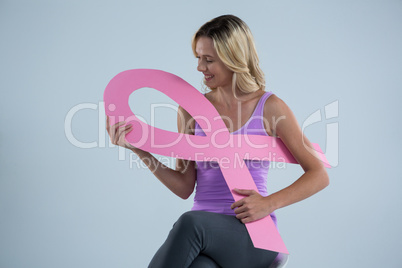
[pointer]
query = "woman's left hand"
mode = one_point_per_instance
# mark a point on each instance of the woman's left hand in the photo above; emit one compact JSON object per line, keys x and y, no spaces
{"x":253,"y":207}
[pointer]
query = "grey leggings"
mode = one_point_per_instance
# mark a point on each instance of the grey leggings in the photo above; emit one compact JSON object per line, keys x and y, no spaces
{"x":206,"y":239}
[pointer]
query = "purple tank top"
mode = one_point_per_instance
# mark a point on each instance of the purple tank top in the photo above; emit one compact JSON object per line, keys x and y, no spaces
{"x":212,"y":193}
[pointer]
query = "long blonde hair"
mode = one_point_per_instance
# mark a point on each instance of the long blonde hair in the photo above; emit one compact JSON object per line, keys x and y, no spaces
{"x":235,"y":46}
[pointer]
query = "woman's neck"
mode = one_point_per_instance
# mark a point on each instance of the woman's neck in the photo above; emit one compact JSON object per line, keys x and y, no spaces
{"x":224,"y":97}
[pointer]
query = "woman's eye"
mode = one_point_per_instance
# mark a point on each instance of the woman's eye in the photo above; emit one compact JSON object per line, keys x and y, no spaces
{"x":208,"y":61}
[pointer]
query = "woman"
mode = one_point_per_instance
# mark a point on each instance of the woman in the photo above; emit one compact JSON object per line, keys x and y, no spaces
{"x":213,"y":234}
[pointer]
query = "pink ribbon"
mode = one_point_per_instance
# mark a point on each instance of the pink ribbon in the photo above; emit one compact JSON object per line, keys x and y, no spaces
{"x":218,"y":144}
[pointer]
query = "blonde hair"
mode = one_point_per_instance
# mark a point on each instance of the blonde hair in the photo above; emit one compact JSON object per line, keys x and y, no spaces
{"x":235,"y":46}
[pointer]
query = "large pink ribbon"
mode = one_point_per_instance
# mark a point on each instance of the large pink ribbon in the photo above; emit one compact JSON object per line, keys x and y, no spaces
{"x":218,"y":144}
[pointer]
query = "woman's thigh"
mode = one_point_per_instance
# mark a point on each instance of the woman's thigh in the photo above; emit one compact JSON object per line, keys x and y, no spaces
{"x":227,"y":241}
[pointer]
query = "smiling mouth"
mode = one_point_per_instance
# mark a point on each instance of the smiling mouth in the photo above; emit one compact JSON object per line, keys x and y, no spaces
{"x":208,"y":77}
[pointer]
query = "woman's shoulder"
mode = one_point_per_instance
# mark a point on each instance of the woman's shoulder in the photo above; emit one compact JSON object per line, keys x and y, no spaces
{"x":275,"y":111}
{"x":274,"y":104}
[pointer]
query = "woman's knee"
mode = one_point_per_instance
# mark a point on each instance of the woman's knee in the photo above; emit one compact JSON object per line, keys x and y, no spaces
{"x":191,"y":221}
{"x":203,"y":261}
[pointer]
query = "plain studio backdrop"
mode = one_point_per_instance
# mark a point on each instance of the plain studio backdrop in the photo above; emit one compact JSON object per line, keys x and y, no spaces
{"x":70,"y":199}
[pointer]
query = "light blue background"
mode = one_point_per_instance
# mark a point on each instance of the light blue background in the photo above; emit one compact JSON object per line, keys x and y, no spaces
{"x":64,"y":206}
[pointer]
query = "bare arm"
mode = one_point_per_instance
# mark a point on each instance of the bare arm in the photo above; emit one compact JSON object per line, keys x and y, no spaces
{"x":315,"y":177}
{"x":180,"y":181}
{"x":282,"y":122}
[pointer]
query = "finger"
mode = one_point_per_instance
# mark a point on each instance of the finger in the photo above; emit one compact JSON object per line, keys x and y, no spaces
{"x":246,"y":220}
{"x":116,"y":129}
{"x":118,"y":124}
{"x":237,"y":204}
{"x":126,"y":129}
{"x":242,"y":215}
{"x":113,"y":128}
{"x":244,"y":191}
{"x":117,"y":133}
{"x":108,"y":124}
{"x":240,"y":210}
{"x":123,"y":133}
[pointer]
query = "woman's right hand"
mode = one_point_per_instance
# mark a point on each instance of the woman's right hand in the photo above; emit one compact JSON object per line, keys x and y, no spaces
{"x":117,"y":133}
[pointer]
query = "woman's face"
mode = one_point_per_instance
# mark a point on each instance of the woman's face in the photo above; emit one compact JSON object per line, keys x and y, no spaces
{"x":216,"y":74}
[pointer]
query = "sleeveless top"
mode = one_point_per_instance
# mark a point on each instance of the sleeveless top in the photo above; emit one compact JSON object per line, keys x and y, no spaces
{"x":212,"y":193}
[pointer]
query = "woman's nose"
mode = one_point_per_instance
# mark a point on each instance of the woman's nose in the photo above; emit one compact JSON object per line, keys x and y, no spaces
{"x":201,"y":66}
